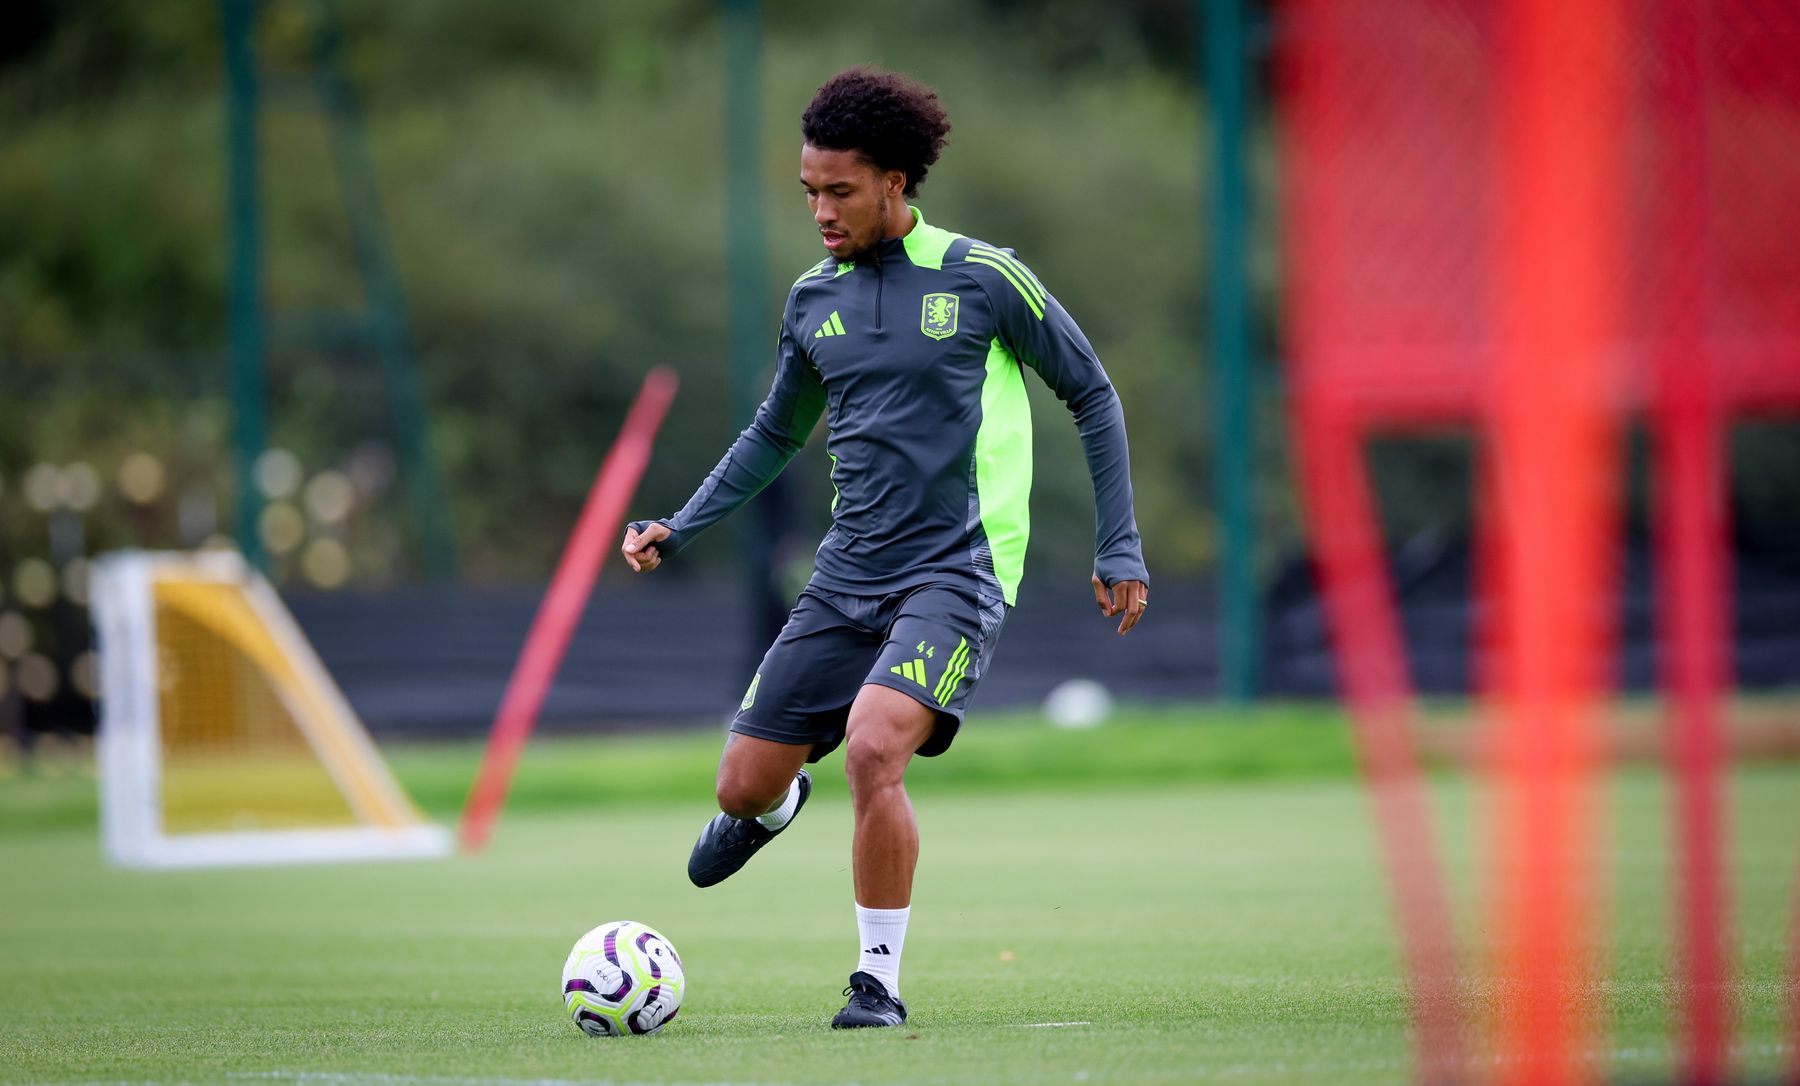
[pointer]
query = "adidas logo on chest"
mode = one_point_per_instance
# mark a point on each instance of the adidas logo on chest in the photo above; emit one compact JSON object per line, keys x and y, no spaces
{"x":832,"y":326}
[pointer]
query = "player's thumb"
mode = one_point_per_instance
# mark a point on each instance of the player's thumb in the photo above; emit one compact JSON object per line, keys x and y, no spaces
{"x":653,"y":533}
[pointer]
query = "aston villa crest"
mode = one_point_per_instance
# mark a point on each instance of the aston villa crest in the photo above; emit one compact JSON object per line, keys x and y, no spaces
{"x":938,"y":318}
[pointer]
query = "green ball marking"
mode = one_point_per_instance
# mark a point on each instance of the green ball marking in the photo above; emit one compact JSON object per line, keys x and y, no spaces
{"x":580,"y":1001}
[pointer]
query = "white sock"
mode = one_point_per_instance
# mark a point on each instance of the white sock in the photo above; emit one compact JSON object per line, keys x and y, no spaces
{"x":783,"y":814}
{"x":883,"y":935}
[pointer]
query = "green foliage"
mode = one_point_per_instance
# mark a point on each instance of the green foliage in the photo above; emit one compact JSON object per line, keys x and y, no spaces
{"x":554,"y":187}
{"x":1169,"y":744}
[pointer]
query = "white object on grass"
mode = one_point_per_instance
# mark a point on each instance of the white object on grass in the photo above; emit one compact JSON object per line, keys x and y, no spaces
{"x":1078,"y":703}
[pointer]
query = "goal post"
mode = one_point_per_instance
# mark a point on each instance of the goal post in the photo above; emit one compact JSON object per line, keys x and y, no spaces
{"x":223,"y":740}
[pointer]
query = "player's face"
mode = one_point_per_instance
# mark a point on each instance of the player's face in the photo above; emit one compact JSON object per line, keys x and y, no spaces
{"x":849,"y":198}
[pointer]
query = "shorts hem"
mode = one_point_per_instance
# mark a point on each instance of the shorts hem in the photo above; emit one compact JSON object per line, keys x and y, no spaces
{"x":914,"y":691}
{"x":756,"y":731}
{"x":949,"y":721}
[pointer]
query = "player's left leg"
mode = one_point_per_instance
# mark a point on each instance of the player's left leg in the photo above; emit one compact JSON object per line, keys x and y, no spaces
{"x":885,"y":728}
{"x":938,"y":647}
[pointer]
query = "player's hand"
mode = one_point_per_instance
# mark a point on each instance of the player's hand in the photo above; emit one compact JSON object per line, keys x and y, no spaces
{"x":1128,"y":598}
{"x":640,"y":547}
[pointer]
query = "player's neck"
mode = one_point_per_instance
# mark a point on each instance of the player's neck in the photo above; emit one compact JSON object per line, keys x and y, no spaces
{"x":899,"y":219}
{"x":895,"y":226}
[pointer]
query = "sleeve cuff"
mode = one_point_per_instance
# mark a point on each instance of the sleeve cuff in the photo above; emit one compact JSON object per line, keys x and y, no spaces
{"x":1111,"y":573}
{"x":670,"y":546}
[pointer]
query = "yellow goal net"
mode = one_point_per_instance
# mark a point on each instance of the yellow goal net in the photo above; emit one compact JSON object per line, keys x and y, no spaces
{"x":223,"y":740}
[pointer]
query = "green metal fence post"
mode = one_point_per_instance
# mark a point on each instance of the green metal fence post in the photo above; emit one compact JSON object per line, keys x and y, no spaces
{"x":1223,"y":45}
{"x":745,"y":238}
{"x":248,"y":427}
{"x":389,"y":318}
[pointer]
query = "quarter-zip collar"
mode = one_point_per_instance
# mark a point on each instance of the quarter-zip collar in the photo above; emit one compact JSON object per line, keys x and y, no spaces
{"x":890,"y":249}
{"x":885,"y":251}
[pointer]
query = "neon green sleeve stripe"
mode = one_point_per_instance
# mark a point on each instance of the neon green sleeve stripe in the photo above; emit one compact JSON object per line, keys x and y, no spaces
{"x":810,"y":272}
{"x":1011,"y":278}
{"x":1024,"y":273}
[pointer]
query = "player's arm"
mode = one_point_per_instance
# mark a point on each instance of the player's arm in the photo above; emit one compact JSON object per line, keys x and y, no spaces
{"x":1040,"y":332}
{"x":782,"y":425}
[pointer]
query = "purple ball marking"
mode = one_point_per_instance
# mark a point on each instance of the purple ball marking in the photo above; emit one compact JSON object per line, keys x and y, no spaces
{"x":579,"y":985}
{"x":618,"y":996}
{"x":655,"y":968}
{"x":611,"y":948}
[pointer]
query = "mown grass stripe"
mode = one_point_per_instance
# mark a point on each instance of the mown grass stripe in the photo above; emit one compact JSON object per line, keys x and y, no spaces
{"x":1192,"y":741}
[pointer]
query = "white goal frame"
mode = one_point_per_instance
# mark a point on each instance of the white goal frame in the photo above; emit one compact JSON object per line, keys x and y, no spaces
{"x":129,"y":740}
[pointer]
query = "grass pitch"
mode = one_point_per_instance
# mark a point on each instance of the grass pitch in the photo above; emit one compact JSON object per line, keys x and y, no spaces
{"x":1171,"y":899}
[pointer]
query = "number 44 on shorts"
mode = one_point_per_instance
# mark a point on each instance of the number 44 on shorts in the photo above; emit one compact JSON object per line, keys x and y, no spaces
{"x":952,"y":676}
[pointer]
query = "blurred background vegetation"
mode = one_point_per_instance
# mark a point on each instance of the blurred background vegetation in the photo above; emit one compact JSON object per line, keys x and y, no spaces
{"x":554,"y":181}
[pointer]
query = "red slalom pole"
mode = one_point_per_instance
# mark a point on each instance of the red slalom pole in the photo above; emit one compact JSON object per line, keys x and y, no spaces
{"x":1693,"y":576}
{"x":1345,"y":525}
{"x":1692,"y":559}
{"x":1365,"y":632}
{"x":563,"y":604}
{"x":1554,"y":434}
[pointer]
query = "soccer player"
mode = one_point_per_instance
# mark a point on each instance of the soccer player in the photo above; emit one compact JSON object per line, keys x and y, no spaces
{"x":912,"y":341}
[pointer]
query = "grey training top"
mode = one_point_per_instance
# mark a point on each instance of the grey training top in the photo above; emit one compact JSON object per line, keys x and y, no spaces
{"x":915,"y":352}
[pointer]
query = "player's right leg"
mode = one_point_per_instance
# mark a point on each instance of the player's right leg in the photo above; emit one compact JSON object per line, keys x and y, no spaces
{"x":754,"y":774}
{"x":793,"y":713}
{"x":761,"y":787}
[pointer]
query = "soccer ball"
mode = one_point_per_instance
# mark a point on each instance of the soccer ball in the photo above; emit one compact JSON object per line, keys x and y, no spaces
{"x":1078,"y":703}
{"x":622,"y":978}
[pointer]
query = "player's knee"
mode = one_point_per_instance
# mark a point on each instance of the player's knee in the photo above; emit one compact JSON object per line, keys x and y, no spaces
{"x":872,"y":759}
{"x":741,"y":797}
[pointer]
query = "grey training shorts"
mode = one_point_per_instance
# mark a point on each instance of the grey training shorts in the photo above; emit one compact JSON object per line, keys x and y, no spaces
{"x":932,"y":643}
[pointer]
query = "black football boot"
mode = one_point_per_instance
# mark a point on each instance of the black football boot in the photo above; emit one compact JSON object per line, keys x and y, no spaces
{"x":870,"y":1005}
{"x":727,"y":843}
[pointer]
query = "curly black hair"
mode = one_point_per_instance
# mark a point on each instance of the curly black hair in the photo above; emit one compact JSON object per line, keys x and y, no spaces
{"x":894,"y":122}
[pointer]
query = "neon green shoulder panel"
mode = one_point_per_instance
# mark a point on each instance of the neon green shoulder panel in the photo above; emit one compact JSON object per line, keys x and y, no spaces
{"x":926,"y":244}
{"x":1003,"y":467}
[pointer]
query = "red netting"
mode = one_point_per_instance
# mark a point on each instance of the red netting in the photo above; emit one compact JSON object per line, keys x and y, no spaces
{"x":1390,"y":119}
{"x":1750,"y":79}
{"x":1390,"y":113}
